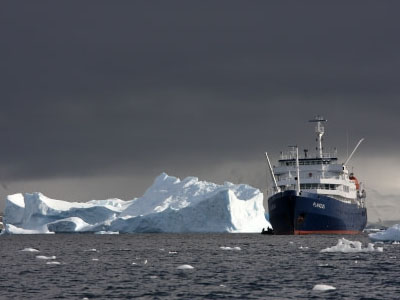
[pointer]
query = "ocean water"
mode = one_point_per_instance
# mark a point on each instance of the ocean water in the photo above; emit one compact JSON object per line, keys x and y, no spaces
{"x":146,"y":266}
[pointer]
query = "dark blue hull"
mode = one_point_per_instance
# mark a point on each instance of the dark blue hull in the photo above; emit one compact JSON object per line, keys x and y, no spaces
{"x":311,"y":213}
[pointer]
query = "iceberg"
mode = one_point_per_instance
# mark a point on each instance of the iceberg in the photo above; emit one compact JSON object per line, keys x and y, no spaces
{"x":169,"y":205}
{"x":391,"y":234}
{"x":347,"y":246}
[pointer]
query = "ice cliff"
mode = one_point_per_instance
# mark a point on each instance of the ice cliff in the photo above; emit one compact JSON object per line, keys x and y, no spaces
{"x":169,"y":205}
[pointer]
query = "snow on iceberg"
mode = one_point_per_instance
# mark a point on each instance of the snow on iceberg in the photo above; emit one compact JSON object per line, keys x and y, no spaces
{"x":347,"y":246}
{"x":169,"y":205}
{"x":391,"y":234}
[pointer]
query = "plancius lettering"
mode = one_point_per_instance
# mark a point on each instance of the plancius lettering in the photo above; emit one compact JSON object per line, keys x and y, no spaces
{"x":318,"y":205}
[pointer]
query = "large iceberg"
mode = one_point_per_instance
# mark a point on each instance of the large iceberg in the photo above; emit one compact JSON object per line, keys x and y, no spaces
{"x":169,"y":205}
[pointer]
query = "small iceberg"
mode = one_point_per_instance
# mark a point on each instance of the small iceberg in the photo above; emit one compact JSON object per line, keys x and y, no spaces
{"x":323,"y":287}
{"x":45,"y":257}
{"x":347,"y":246}
{"x":30,"y":250}
{"x":390,"y":235}
{"x":185,"y":267}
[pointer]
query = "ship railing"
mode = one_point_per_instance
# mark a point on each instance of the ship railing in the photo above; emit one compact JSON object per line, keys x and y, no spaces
{"x":292,"y":155}
{"x":286,"y":178}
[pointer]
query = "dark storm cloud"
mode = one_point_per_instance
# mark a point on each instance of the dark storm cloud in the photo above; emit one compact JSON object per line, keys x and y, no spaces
{"x":90,"y":87}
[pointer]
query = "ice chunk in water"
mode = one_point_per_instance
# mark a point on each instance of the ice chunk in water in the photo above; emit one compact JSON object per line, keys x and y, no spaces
{"x":45,"y":257}
{"x":30,"y":250}
{"x":323,"y":287}
{"x":185,"y":267}
{"x":344,"y":245}
{"x":390,"y":234}
{"x":230,"y":248}
{"x":53,"y":263}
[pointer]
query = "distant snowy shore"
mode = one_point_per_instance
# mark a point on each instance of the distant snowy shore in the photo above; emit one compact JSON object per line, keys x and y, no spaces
{"x":169,"y":205}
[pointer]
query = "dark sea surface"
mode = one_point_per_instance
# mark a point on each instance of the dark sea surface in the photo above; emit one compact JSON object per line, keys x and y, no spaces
{"x":145,"y":266}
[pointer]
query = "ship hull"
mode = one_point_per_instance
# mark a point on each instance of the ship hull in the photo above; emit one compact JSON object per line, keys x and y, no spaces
{"x":311,"y":213}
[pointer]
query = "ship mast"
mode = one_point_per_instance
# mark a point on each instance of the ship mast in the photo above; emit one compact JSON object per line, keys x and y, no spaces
{"x":319,"y":130}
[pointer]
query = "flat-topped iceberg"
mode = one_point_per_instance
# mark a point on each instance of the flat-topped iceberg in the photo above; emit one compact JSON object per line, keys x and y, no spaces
{"x":169,"y":205}
{"x":392,"y":234}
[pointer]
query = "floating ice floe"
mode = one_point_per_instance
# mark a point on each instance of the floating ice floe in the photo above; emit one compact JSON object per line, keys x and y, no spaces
{"x":323,"y":287}
{"x":344,"y":245}
{"x":391,"y":234}
{"x":53,"y":263}
{"x":30,"y":250}
{"x":169,"y":205}
{"x":230,"y":248}
{"x":45,"y":257}
{"x":185,"y":267}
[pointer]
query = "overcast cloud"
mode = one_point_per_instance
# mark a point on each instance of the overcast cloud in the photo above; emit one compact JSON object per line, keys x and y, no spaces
{"x":99,"y":97}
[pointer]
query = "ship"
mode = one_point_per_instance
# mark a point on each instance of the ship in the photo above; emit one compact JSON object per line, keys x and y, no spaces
{"x":315,"y":194}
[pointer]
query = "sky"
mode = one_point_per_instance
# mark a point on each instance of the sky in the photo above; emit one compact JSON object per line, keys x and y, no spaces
{"x":99,"y":97}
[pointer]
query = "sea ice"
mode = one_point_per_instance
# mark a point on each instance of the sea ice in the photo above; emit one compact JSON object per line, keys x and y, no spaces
{"x":169,"y":205}
{"x":391,"y":234}
{"x":53,"y":263}
{"x":45,"y":257}
{"x":323,"y":287}
{"x":344,"y":245}
{"x":230,"y":248}
{"x":30,"y":250}
{"x":185,"y":267}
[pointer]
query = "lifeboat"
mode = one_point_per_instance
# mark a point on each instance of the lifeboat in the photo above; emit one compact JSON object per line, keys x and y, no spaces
{"x":353,"y":178}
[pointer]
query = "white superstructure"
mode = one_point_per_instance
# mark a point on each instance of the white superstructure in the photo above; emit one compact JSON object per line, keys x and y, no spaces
{"x":320,"y":173}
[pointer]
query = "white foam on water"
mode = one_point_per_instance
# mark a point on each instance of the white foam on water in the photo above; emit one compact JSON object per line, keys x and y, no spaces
{"x":347,"y":246}
{"x":323,"y":287}
{"x":133,"y":263}
{"x":145,"y":262}
{"x":53,"y":263}
{"x":90,"y":250}
{"x":301,"y":247}
{"x":45,"y":257}
{"x":185,"y":267}
{"x":153,"y":277}
{"x":95,"y":259}
{"x":172,"y":252}
{"x":30,"y":250}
